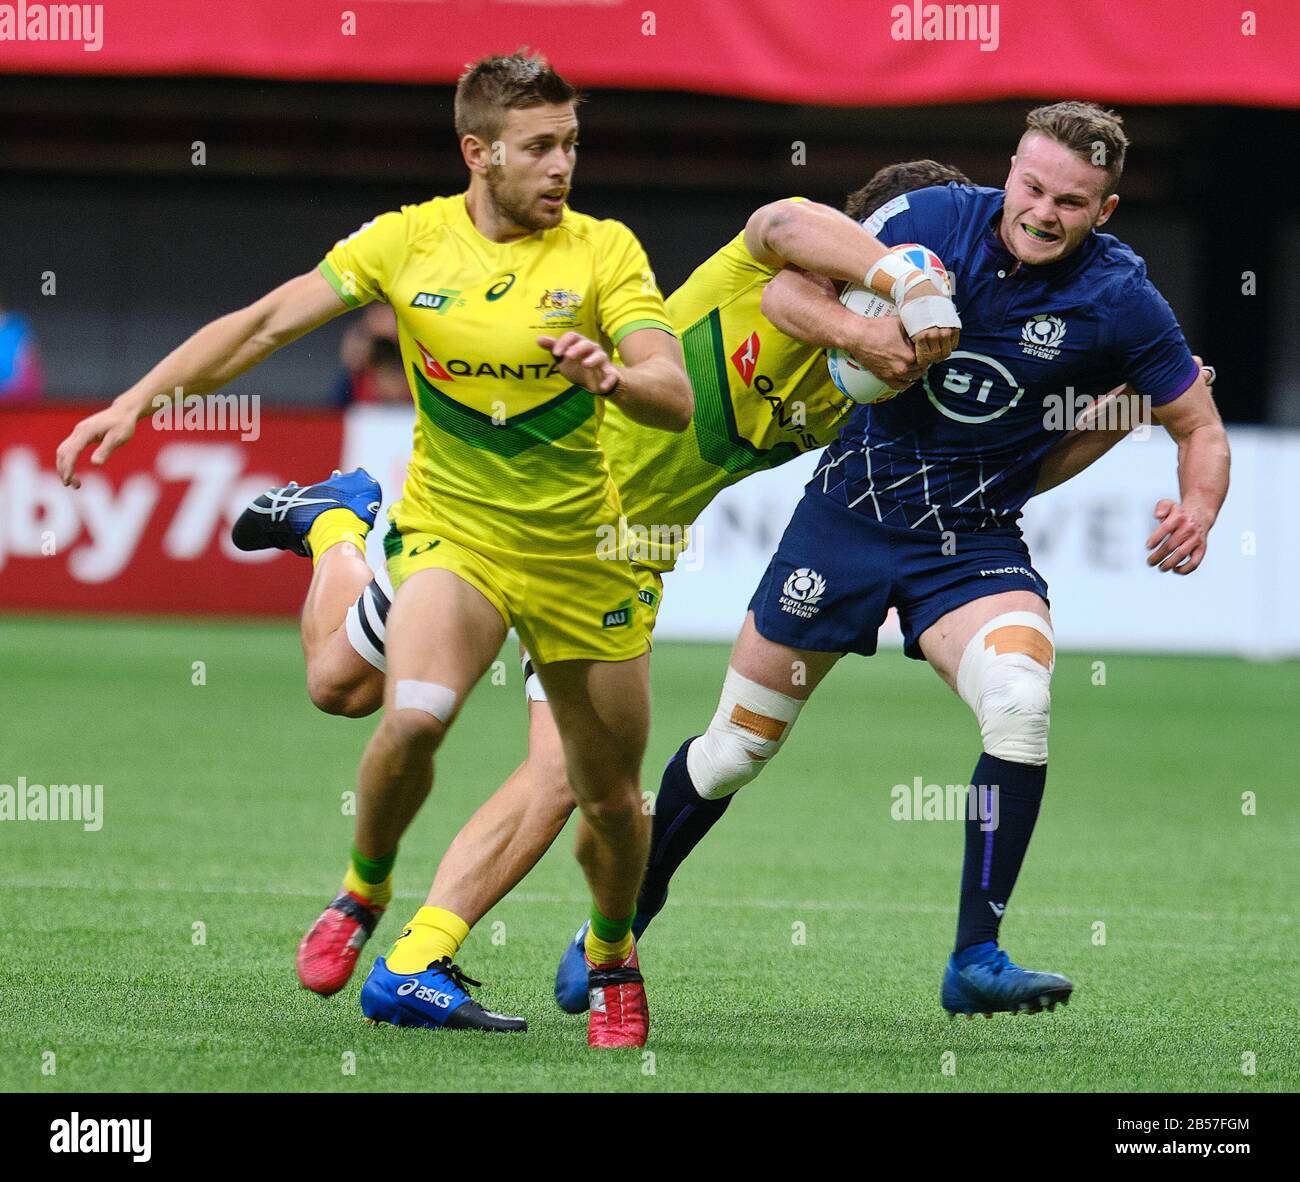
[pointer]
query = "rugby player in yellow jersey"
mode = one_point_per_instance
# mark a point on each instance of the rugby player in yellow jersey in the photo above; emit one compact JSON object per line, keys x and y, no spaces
{"x":508,"y":305}
{"x":762,"y":397}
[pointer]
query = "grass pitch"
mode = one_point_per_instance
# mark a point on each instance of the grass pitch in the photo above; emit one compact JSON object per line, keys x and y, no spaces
{"x":804,"y":940}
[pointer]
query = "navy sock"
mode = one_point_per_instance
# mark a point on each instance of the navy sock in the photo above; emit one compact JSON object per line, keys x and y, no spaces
{"x":682,"y":817}
{"x":1009,"y":794}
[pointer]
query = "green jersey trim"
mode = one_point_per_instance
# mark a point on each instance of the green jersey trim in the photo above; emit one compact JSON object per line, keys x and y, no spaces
{"x":543,"y":424}
{"x":340,"y":288}
{"x":714,"y":421}
{"x":634,"y":325}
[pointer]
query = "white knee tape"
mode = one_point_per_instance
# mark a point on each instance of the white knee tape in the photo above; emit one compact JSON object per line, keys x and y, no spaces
{"x":1005,"y":677}
{"x":748,"y":728}
{"x":433,"y":699}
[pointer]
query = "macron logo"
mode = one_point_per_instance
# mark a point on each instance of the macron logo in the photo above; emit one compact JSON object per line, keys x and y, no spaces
{"x":78,"y":1134}
{"x":998,"y":908}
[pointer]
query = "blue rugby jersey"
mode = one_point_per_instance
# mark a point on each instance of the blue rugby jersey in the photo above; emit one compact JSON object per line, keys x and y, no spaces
{"x":960,"y":449}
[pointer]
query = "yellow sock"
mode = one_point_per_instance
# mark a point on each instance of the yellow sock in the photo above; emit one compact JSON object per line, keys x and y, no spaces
{"x":377,"y":894}
{"x":432,"y":934}
{"x":334,"y":526}
{"x":605,"y":951}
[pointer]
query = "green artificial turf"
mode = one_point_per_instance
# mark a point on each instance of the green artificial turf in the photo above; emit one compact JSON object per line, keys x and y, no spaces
{"x":804,"y":940}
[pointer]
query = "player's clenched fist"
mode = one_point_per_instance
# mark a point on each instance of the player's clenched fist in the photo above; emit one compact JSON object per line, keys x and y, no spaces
{"x":582,"y":361}
{"x":110,"y":428}
{"x":931,"y":320}
{"x":1178,"y":541}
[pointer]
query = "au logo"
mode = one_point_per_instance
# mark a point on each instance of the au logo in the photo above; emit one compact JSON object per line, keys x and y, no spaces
{"x":441,"y":301}
{"x":619,"y":617}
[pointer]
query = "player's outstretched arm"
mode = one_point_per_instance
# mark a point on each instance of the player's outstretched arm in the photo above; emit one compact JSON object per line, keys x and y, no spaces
{"x":650,"y":387}
{"x":1179,"y":540}
{"x":822,"y":240}
{"x":806,"y":307}
{"x":216,"y":354}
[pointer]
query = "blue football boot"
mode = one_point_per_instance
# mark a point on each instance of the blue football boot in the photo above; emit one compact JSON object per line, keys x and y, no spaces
{"x":571,"y":993}
{"x":982,"y":979}
{"x":280,"y":518}
{"x":435,"y":997}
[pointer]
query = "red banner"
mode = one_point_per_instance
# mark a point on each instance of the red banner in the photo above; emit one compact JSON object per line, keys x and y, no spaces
{"x":150,"y":531}
{"x":849,"y":52}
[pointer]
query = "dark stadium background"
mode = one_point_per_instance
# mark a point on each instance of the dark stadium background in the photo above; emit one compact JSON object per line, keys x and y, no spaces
{"x":96,"y":184}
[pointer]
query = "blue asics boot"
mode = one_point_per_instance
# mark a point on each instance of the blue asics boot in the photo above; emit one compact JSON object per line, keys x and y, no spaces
{"x":982,"y":979}
{"x":281,"y":517}
{"x":434,"y":997}
{"x":571,"y":993}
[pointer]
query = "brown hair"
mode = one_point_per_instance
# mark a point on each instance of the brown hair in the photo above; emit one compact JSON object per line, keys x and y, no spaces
{"x":1091,"y":132}
{"x":494,"y":85}
{"x":896,"y":179}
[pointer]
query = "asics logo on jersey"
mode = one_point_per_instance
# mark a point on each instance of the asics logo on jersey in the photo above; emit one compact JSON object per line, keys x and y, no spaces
{"x":1041,"y":336}
{"x":499,"y":288}
{"x":434,"y":997}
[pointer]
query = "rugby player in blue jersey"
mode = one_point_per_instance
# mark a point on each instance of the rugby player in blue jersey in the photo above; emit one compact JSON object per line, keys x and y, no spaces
{"x":915,"y":506}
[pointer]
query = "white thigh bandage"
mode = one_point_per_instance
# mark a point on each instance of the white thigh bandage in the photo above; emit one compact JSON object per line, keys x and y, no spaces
{"x":428,"y":696}
{"x":748,"y":728}
{"x":1005,"y":676}
{"x":367,"y":620}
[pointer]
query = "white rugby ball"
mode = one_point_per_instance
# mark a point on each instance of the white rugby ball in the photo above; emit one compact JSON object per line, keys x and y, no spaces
{"x":855,"y":381}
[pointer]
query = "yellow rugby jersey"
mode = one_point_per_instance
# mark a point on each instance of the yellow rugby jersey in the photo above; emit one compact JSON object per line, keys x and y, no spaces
{"x":761,"y":398}
{"x":505,"y":450}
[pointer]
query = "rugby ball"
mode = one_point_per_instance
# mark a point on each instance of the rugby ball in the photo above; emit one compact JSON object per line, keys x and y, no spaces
{"x":855,"y":381}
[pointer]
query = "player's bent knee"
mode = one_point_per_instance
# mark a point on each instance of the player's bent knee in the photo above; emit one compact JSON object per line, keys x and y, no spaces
{"x":353,"y":698}
{"x":1006,"y":678}
{"x":550,"y":777}
{"x":421,"y":713}
{"x":414,"y":729}
{"x":748,"y":728}
{"x":616,"y":806}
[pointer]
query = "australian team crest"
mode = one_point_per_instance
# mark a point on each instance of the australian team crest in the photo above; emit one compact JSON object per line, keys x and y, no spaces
{"x":1042,"y":336}
{"x":559,"y":307}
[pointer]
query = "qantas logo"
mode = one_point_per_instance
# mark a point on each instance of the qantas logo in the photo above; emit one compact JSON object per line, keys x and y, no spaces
{"x":524,"y":371}
{"x":432,"y":366}
{"x":745,"y":358}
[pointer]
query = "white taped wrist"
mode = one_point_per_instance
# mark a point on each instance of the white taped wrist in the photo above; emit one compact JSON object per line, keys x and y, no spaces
{"x":924,"y":312}
{"x":896,"y":269}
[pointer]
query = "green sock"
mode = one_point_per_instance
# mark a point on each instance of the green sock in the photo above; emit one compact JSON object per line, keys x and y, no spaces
{"x":611,"y":931}
{"x":372,"y":870}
